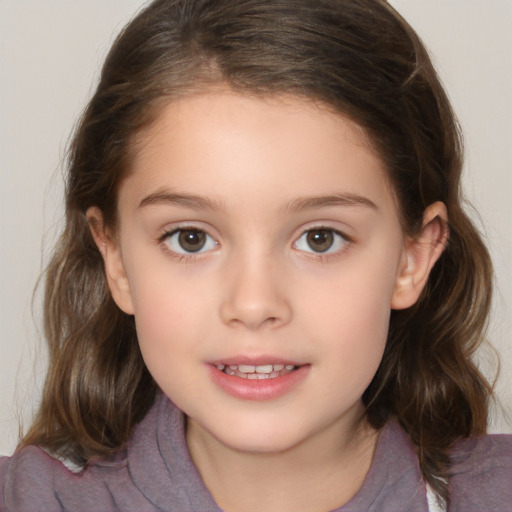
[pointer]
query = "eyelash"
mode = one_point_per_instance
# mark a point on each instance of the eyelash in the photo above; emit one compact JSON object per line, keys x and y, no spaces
{"x":325,"y":256}
{"x":186,"y":256}
{"x":328,"y":255}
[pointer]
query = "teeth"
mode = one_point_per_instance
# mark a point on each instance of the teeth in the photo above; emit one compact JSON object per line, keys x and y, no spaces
{"x":267,"y":368}
{"x":249,"y":371}
{"x":245,"y":368}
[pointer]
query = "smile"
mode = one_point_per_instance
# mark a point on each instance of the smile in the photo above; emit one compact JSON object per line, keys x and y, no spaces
{"x":260,"y":372}
{"x":258,"y":381}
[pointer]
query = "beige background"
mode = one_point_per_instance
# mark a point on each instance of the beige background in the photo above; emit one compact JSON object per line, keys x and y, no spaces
{"x":50,"y":54}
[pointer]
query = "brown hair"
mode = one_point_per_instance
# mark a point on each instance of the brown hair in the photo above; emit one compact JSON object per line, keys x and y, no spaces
{"x":361,"y":58}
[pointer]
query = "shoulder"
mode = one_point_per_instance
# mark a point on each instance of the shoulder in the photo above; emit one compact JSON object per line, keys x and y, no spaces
{"x":28,"y":476}
{"x":482,"y":474}
{"x":33,"y":480}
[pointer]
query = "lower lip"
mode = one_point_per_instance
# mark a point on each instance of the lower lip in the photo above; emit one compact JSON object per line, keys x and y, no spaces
{"x":254,"y":389}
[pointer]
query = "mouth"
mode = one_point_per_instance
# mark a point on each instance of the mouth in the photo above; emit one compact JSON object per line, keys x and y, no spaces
{"x":258,"y":380}
{"x":257,"y":372}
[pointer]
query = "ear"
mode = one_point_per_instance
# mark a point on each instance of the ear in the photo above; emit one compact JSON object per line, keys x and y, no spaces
{"x":420,"y":255}
{"x":109,"y":247}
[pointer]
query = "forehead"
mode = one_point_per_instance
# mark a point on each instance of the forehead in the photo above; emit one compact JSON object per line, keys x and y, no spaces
{"x":227,"y":146}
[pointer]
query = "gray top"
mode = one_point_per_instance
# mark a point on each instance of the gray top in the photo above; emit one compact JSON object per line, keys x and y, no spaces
{"x":155,"y":472}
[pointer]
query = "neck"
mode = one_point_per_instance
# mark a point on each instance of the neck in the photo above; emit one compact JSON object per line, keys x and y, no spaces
{"x":321,"y":473}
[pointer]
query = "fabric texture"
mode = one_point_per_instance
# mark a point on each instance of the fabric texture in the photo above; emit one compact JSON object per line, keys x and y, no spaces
{"x":155,"y":473}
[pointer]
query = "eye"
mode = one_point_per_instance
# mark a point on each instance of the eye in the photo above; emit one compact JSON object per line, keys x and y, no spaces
{"x":189,"y":241}
{"x":321,"y":241}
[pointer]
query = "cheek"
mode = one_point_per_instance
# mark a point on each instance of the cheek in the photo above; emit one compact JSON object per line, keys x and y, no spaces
{"x":174,"y":315}
{"x":352,"y":312}
{"x":164,"y":315}
{"x":357,"y":335}
{"x":358,"y":293}
{"x":169,"y":336}
{"x":164,"y":307}
{"x":358,"y":328}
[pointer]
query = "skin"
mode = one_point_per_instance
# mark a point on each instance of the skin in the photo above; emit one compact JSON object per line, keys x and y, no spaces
{"x":258,"y":289}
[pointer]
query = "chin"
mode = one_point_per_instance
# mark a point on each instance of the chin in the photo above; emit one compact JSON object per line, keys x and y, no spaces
{"x":262,"y":445}
{"x":260,"y":437}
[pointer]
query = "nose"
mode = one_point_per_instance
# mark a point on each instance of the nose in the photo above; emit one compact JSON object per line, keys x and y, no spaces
{"x":255,"y":295}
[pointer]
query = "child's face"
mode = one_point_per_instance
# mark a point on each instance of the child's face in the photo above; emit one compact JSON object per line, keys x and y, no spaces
{"x":290,"y":253}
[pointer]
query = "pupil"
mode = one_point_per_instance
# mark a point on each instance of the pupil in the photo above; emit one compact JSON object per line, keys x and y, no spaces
{"x":192,"y":241}
{"x":320,"y":240}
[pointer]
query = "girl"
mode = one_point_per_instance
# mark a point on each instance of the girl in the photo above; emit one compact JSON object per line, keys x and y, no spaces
{"x":267,"y":294}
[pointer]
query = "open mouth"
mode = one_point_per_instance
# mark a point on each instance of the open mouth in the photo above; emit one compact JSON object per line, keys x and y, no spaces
{"x":263,"y":381}
{"x":260,"y":372}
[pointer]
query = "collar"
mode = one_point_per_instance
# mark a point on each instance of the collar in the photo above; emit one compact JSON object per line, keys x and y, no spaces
{"x":160,"y":466}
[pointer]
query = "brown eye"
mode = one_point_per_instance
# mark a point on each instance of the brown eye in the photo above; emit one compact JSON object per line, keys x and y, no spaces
{"x":320,"y":240}
{"x":189,"y":241}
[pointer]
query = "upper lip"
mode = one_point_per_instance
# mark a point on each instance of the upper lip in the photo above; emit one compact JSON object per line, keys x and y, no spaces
{"x":254,"y":360}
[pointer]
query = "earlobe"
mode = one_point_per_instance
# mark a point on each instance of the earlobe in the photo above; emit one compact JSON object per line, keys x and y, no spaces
{"x":113,"y":261}
{"x":420,"y":255}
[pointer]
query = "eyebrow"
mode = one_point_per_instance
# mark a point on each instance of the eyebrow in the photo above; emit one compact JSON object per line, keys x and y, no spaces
{"x":164,"y":197}
{"x":185,"y":200}
{"x":314,"y":202}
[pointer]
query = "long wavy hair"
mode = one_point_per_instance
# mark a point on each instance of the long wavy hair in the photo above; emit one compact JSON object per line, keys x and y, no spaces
{"x":363,"y":60}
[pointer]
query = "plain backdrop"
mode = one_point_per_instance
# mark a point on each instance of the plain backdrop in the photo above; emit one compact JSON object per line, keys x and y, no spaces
{"x":50,"y":55}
